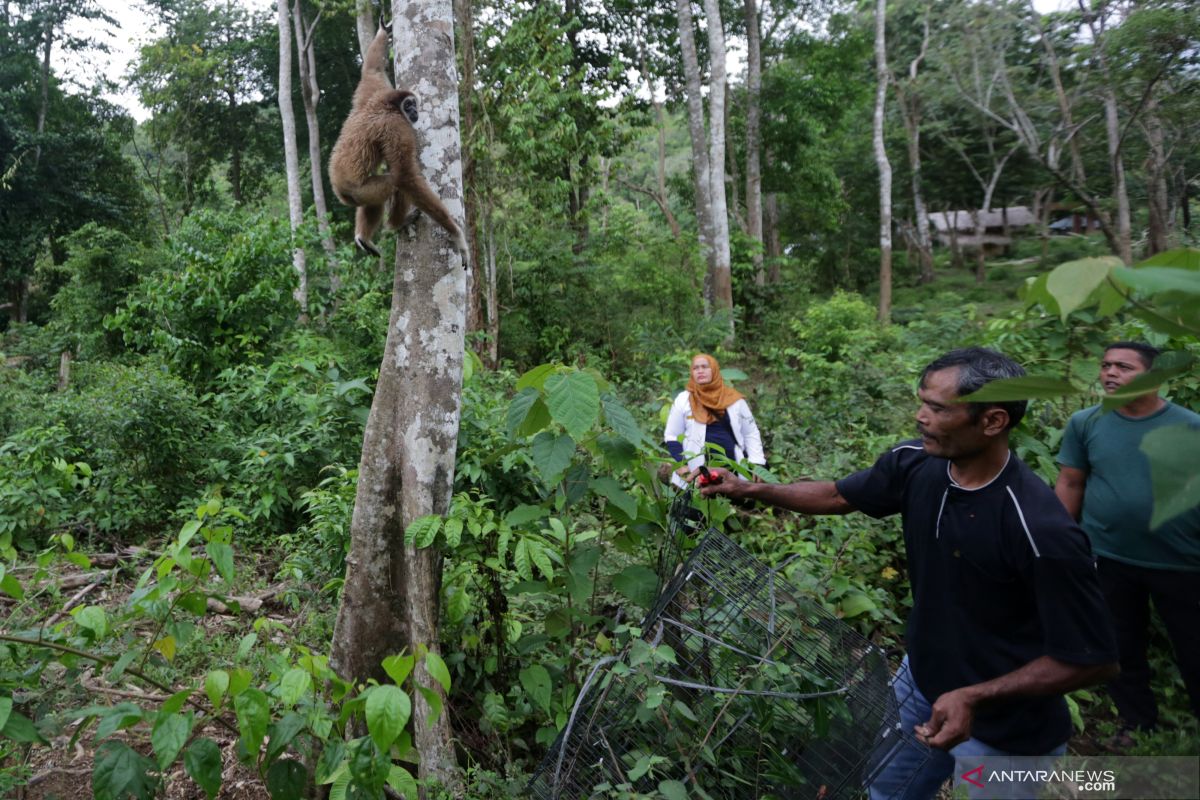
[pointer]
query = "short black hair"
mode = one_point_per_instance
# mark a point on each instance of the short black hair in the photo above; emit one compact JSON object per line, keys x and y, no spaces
{"x":978,"y":366}
{"x":1146,"y":352}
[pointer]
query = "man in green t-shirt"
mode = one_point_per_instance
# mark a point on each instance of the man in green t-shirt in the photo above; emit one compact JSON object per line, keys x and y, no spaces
{"x":1105,"y":483}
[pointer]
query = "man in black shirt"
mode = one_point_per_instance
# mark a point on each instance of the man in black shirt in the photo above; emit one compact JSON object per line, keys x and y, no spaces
{"x":1007,"y":612}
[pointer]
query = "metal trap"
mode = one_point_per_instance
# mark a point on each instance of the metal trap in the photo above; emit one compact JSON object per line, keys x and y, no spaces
{"x":740,"y":688}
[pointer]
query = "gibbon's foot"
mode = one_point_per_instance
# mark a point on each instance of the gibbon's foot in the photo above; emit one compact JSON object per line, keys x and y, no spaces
{"x":366,"y":246}
{"x":409,"y":220}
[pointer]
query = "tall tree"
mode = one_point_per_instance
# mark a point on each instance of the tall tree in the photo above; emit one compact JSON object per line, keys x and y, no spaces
{"x":310,"y":93}
{"x":701,"y":168}
{"x":882,"y":163}
{"x":390,"y":598}
{"x":291,"y":156}
{"x":909,"y":102}
{"x":721,"y":269}
{"x":754,"y":208}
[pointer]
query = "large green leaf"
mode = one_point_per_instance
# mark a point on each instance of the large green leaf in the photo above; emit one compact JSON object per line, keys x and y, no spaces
{"x":536,"y":377}
{"x":552,"y":455}
{"x":621,"y":421}
{"x":438,"y":670}
{"x":216,"y":683}
{"x":280,"y":734}
{"x":638,"y":584}
{"x":121,"y":772}
{"x":609,"y":488}
{"x":1072,"y":283}
{"x":399,"y":667}
{"x":1028,"y":387}
{"x":527,"y":414}
{"x":1161,"y":279}
{"x":6,"y":705}
{"x":20,"y":728}
{"x":403,"y":782}
{"x":388,"y":709}
{"x":169,"y":735}
{"x":422,"y":531}
{"x":523,"y":514}
{"x":1179,"y":258}
{"x":286,"y":780}
{"x":203,"y":762}
{"x":1174,"y":478}
{"x":1166,"y":366}
{"x":536,"y":682}
{"x":574,"y":401}
{"x":222,"y":558}
{"x":253,"y":716}
{"x":293,"y":685}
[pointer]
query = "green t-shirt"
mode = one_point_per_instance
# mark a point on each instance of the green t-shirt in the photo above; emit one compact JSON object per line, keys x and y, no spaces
{"x":1118,"y":501}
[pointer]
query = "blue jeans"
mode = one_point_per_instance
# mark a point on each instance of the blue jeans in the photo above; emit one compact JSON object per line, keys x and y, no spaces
{"x":914,"y":774}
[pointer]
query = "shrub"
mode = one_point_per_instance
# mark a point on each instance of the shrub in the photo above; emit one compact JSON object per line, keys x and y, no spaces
{"x":221,"y":296}
{"x":144,"y":432}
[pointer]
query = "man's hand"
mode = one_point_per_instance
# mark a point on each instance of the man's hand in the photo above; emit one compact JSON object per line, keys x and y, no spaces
{"x":950,"y":720}
{"x":722,"y":481}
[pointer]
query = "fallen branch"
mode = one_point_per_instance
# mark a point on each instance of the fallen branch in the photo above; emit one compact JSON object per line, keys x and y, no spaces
{"x":82,"y":593}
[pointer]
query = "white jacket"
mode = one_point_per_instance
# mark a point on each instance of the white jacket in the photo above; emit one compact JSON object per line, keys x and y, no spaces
{"x":680,"y":422}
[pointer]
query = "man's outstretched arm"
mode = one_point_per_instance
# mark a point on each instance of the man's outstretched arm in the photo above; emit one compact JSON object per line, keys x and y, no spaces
{"x":954,"y":712}
{"x":807,"y":497}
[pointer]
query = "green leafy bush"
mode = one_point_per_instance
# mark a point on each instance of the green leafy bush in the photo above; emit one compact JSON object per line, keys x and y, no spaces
{"x":220,"y":296}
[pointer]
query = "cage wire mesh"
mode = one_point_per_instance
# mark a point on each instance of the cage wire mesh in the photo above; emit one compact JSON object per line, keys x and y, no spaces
{"x":740,"y":688}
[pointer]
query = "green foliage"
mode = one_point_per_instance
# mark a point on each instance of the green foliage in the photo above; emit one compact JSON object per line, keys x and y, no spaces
{"x":144,"y":432}
{"x":221,"y":295}
{"x":42,"y":488}
{"x":101,"y":267}
{"x":301,"y":710}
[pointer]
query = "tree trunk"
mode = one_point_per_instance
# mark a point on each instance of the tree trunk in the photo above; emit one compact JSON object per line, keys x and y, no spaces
{"x":1116,"y":161}
{"x":885,"y":167}
{"x":292,"y":160}
{"x":956,"y":257}
{"x":391,"y":595}
{"x":1060,"y":94}
{"x":1157,"y":198}
{"x":774,"y":247}
{"x":696,"y":129}
{"x":364,"y":25}
{"x":754,"y":209}
{"x":980,"y":264}
{"x":493,"y":299}
{"x":909,"y":104}
{"x":464,"y":15}
{"x":311,"y":94}
{"x":722,"y":273}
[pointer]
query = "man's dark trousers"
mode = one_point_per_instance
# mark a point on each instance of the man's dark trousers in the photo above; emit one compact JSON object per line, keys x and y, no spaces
{"x":1176,"y":595}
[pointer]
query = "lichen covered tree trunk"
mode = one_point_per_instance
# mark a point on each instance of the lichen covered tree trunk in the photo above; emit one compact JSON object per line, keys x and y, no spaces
{"x":390,"y":597}
{"x":884,"y":166}
{"x":291,"y":158}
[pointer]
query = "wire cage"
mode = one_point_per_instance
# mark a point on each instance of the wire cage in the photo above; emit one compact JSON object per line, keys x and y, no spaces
{"x":741,"y":687}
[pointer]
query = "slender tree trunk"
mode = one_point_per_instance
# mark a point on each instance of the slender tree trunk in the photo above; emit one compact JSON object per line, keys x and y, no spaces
{"x":774,"y":247}
{"x":696,"y":129}
{"x":1157,"y":197}
{"x":754,"y":205}
{"x":311,"y":94}
{"x":291,"y":158}
{"x":391,"y":595}
{"x":884,"y":166}
{"x":909,"y":103}
{"x":464,"y":14}
{"x":1112,"y":126}
{"x":733,"y":176}
{"x":493,"y":300}
{"x":722,"y":273}
{"x":364,"y":25}
{"x":1060,"y":94}
{"x":44,"y":93}
{"x":956,"y":256}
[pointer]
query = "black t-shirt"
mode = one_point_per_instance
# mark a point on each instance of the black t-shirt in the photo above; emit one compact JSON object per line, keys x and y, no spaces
{"x":1001,"y":575}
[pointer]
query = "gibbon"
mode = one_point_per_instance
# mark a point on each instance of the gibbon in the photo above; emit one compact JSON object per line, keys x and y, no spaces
{"x":379,"y":130}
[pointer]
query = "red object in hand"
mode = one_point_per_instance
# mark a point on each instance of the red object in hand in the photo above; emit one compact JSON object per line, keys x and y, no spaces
{"x":706,"y":478}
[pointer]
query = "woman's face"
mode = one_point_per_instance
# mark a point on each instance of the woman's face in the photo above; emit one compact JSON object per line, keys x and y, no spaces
{"x":701,"y":371}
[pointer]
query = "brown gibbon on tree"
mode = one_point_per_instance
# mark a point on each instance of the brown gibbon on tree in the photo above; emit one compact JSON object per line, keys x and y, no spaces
{"x":378,"y":131}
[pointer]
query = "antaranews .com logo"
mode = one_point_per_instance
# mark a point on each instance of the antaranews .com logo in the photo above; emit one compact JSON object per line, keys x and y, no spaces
{"x":1082,"y":777}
